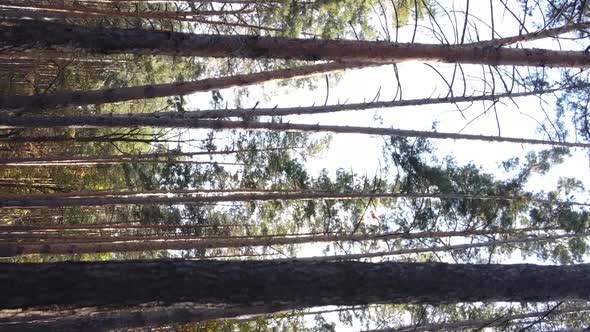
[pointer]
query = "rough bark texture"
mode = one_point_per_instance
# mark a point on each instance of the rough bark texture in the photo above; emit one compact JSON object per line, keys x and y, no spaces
{"x":184,"y":121}
{"x":297,"y":283}
{"x":23,"y":35}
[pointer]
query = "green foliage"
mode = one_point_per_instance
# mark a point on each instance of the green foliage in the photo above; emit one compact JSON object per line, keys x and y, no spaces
{"x":340,"y":19}
{"x":417,"y":176}
{"x":416,"y":173}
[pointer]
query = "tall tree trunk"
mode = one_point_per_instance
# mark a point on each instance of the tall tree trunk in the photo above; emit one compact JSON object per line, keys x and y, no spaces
{"x":19,"y":35}
{"x":114,"y":162}
{"x":98,"y":245}
{"x":166,"y":192}
{"x":241,"y":194}
{"x":91,"y":139}
{"x":90,"y":227}
{"x":294,"y":283}
{"x":40,"y":101}
{"x":409,"y":251}
{"x":102,"y":14}
{"x":284,"y":111}
{"x":183,"y":121}
{"x":478,"y":323}
{"x":119,"y":158}
{"x":132,"y":318}
{"x":84,"y":11}
{"x":531,"y":36}
{"x":52,"y":201}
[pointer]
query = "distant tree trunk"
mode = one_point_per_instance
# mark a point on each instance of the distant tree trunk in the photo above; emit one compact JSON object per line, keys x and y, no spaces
{"x":138,"y":243}
{"x":132,"y":318}
{"x":531,"y":36}
{"x":115,"y":162}
{"x":167,"y":191}
{"x":107,"y":159}
{"x":500,"y":321}
{"x":294,"y":283}
{"x":89,"y":139}
{"x":22,"y":35}
{"x":409,"y":251}
{"x":182,"y":121}
{"x":97,"y":160}
{"x":284,"y":111}
{"x":119,"y":226}
{"x":102,"y":14}
{"x":40,"y":101}
{"x":84,"y":11}
{"x":52,"y":201}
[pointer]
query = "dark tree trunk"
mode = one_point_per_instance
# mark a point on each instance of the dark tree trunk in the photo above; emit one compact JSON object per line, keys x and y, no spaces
{"x":294,"y":283}
{"x":23,"y":35}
